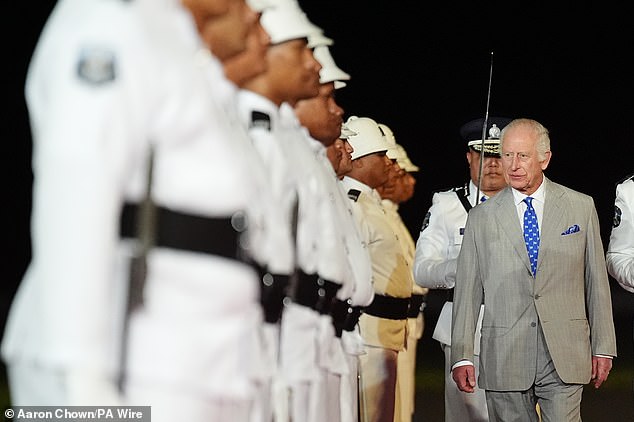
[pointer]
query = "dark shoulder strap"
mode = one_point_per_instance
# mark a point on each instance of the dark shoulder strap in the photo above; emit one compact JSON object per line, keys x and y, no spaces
{"x":462,"y":193}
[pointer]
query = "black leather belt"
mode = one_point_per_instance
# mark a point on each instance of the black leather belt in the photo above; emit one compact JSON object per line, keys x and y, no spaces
{"x":344,"y":316}
{"x":416,"y":305}
{"x":388,"y":307}
{"x":272,"y":293}
{"x":176,"y":230}
{"x":315,"y":292}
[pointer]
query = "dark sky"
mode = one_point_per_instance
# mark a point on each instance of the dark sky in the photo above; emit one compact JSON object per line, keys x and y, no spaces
{"x":422,"y":68}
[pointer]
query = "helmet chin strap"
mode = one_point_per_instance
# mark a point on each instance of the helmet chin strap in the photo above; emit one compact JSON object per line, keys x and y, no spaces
{"x":484,"y":129}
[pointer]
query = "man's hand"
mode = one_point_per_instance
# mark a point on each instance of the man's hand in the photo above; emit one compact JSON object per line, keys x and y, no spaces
{"x":600,"y":370}
{"x":464,"y":377}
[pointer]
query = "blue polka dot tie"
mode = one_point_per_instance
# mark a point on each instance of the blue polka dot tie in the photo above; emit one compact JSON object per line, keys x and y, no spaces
{"x":531,"y":233}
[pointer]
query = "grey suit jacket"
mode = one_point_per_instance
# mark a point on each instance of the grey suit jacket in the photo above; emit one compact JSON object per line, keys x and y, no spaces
{"x":570,"y":296}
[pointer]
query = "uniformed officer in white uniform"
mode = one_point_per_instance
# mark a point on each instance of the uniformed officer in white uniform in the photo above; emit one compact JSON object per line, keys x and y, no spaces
{"x":109,"y":82}
{"x":349,"y":304}
{"x":266,"y":105}
{"x":342,"y":254}
{"x":399,"y":189}
{"x":620,"y":254}
{"x":439,"y":243}
{"x":383,"y":324}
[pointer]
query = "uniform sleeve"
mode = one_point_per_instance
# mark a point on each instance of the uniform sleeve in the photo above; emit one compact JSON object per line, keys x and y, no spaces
{"x":85,"y":135}
{"x":620,"y":255}
{"x":598,"y":300}
{"x":432,"y":267}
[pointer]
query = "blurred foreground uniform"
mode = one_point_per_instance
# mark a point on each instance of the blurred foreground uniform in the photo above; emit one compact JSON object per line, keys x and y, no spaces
{"x":293,"y":174}
{"x":109,"y":82}
{"x":620,"y":255}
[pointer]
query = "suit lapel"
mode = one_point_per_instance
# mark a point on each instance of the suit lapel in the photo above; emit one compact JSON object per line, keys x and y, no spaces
{"x":509,"y":222}
{"x":553,"y":214}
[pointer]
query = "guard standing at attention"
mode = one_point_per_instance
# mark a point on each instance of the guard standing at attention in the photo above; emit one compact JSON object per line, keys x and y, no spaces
{"x":383,"y":324}
{"x":439,"y":243}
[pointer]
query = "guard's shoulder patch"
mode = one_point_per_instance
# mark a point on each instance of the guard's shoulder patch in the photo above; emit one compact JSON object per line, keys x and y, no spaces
{"x":354,"y":194}
{"x":96,"y":65}
{"x":261,"y":120}
{"x":426,"y":221}
{"x":616,"y":221}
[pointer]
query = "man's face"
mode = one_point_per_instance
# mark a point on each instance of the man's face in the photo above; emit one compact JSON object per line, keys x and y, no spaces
{"x":521,"y":163}
{"x":407,"y":187}
{"x":321,"y":115}
{"x":252,"y":62}
{"x":492,"y":175}
{"x":340,"y":156}
{"x":389,"y":189}
{"x":293,"y":72}
{"x":223,"y":24}
{"x":372,"y":169}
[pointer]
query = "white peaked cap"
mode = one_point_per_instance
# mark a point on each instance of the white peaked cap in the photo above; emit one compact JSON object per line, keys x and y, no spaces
{"x":286,"y":21}
{"x":346,"y":132}
{"x":392,"y":152}
{"x":329,"y":72}
{"x":404,"y":162}
{"x":318,"y":39}
{"x":260,"y":5}
{"x":396,"y":151}
{"x":367,"y":138}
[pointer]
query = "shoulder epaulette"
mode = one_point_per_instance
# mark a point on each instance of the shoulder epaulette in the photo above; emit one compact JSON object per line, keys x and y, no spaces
{"x":464,"y":187}
{"x":354,"y":194}
{"x":261,"y":120}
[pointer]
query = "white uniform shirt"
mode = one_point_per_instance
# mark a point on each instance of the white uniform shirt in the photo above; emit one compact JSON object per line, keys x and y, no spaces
{"x":437,"y":250}
{"x":358,"y":255}
{"x":269,"y":134}
{"x":107,"y":80}
{"x":620,"y":255}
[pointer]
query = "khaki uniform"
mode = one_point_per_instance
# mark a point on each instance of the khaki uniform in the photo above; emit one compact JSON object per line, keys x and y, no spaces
{"x":383,"y":325}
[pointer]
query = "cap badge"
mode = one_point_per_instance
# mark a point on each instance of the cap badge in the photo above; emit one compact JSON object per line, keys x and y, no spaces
{"x":494,"y":132}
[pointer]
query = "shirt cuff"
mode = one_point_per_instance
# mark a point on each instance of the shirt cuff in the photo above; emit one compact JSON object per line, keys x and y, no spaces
{"x":604,"y":356}
{"x":463,"y":362}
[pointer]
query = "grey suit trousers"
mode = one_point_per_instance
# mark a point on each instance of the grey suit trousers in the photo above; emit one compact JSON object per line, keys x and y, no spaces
{"x":558,"y":401}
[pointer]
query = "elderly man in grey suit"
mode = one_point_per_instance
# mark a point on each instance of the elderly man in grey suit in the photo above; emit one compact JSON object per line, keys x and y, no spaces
{"x":538,"y":266}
